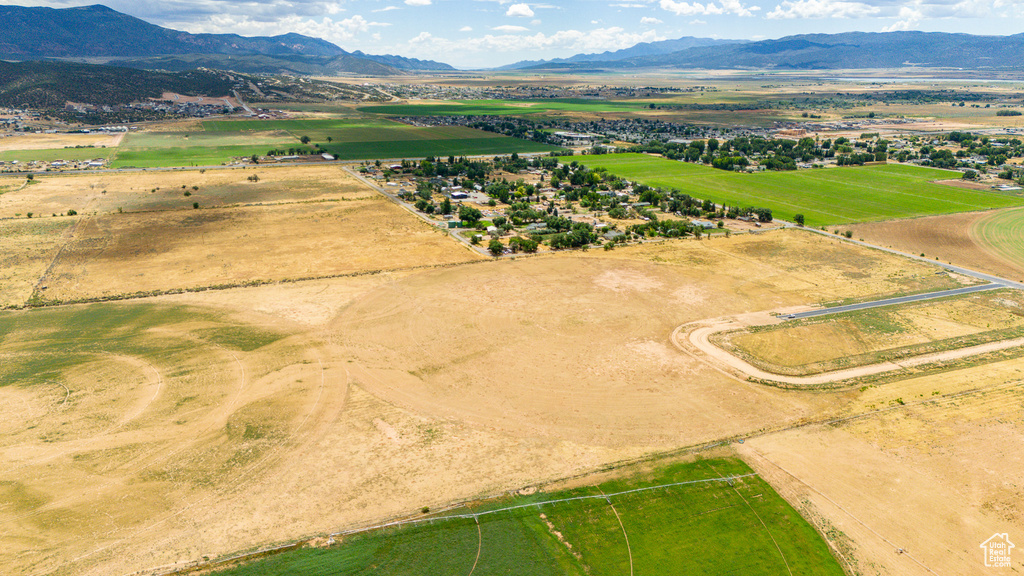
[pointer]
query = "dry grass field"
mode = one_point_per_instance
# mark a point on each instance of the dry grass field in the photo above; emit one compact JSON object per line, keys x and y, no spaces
{"x":292,"y":223}
{"x":22,"y":141}
{"x":142,"y":435}
{"x":105,"y":193}
{"x":952,"y":238}
{"x":28,"y":247}
{"x":870,"y":336}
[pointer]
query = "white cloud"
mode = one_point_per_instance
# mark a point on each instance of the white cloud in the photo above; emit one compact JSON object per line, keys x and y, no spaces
{"x":596,"y":40}
{"x":387,"y":9}
{"x":650,"y":21}
{"x":823,"y":9}
{"x":510,"y":28}
{"x":466,"y":29}
{"x":418,"y":2}
{"x":697,"y":9}
{"x":698,"y":22}
{"x":326,"y":28}
{"x":522,"y":10}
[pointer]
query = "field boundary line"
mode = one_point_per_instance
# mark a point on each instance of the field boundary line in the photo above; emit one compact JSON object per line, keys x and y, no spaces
{"x":476,"y":515}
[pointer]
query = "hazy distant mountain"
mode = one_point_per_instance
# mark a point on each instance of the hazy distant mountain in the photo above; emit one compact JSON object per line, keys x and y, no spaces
{"x":100,"y":32}
{"x":641,"y":49}
{"x":847,"y":50}
{"x":403,"y":63}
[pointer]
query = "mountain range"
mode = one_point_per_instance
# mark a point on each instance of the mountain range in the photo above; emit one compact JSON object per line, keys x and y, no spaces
{"x":827,"y":52}
{"x":636,"y":51}
{"x":101,"y":33}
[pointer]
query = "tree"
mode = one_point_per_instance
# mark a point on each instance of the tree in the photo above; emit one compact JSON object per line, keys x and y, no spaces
{"x":446,"y":206}
{"x":495,"y":247}
{"x":195,"y":205}
{"x":799,"y":219}
{"x":304,"y":139}
{"x":469,"y":214}
{"x":255,"y":159}
{"x":329,"y":139}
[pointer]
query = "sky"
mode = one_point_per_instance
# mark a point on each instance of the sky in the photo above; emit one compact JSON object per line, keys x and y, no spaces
{"x":490,"y":33}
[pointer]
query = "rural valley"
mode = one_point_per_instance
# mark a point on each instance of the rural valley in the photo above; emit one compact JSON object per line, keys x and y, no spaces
{"x":271,"y":307}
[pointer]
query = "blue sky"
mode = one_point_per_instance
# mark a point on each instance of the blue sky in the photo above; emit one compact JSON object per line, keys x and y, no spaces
{"x":484,"y":33}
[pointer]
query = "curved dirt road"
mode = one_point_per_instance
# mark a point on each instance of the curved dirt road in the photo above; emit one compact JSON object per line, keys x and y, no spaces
{"x":691,"y":338}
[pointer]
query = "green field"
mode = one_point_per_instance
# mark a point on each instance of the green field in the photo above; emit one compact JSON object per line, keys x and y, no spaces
{"x":154,"y":149}
{"x":697,"y":528}
{"x":1003,"y":232}
{"x":504,"y":107}
{"x":222,"y":140}
{"x":52,"y":154}
{"x":824,"y":196}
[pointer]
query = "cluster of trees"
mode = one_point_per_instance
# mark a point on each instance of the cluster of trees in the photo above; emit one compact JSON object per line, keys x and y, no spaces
{"x":581,"y":234}
{"x":772,"y":153}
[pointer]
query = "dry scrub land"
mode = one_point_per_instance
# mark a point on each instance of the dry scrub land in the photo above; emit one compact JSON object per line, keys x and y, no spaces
{"x":196,"y":425}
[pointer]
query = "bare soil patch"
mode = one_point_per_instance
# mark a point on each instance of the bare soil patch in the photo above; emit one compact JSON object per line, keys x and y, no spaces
{"x":946,"y":237}
{"x":945,"y":463}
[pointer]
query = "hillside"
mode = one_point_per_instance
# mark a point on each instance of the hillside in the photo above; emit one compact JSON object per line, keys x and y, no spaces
{"x":100,"y":32}
{"x":52,"y":84}
{"x":264,"y":64}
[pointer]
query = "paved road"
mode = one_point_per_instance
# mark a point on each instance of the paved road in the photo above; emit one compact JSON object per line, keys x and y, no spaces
{"x":891,"y":301}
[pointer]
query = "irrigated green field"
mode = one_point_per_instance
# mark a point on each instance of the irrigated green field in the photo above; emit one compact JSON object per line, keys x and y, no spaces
{"x":223,"y":140}
{"x":717,"y":527}
{"x":824,"y":197}
{"x":146,"y":150}
{"x":504,"y":107}
{"x":52,"y":154}
{"x":1003,"y":233}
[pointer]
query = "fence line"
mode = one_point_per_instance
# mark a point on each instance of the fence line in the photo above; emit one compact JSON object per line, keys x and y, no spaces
{"x":477,"y":515}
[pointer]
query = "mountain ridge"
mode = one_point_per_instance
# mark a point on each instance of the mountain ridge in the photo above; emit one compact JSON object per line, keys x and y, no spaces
{"x":846,"y":50}
{"x":97,"y":31}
